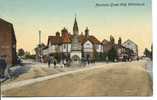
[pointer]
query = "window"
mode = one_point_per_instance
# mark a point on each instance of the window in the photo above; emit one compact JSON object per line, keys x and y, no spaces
{"x":97,"y":46}
{"x":88,"y":45}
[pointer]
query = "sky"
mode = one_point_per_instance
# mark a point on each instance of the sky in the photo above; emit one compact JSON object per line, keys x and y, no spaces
{"x":50,"y":16}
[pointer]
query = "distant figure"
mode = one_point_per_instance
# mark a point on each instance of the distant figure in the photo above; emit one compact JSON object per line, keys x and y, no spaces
{"x":107,"y":59}
{"x":94,"y":60}
{"x":49,"y":61}
{"x":84,"y":62}
{"x":88,"y":59}
{"x":3,"y":66}
{"x":54,"y":62}
{"x":65,"y":62}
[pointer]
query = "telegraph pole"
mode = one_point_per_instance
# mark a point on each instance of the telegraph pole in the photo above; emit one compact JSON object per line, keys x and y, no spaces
{"x":40,"y":48}
{"x":39,"y":37}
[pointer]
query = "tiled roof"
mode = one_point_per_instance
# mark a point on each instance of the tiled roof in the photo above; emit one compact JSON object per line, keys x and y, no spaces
{"x":55,"y":40}
{"x":67,"y":38}
{"x":94,"y":40}
{"x":91,"y":38}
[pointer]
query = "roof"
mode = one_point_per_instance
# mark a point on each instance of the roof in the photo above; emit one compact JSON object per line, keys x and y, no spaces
{"x":91,"y":38}
{"x":55,"y":40}
{"x":82,"y":38}
{"x":118,"y":46}
{"x":105,"y":41}
{"x":2,"y":20}
{"x":94,"y":40}
{"x":66,"y":38}
{"x":9,"y":25}
{"x":130,"y":42}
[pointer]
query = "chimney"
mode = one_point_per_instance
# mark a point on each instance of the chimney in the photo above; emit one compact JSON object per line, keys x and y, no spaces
{"x":57,"y":34}
{"x":87,"y":32}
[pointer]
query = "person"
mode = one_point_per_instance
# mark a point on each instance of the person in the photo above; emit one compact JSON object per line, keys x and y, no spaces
{"x":88,"y":59}
{"x":3,"y":66}
{"x":84,"y":62}
{"x":65,"y":62}
{"x":54,"y":62}
{"x":49,"y":61}
{"x":107,"y":59}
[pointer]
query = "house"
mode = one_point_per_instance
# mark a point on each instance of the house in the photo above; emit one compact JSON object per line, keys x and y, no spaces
{"x":132,"y":46}
{"x":123,"y":53}
{"x":77,"y":47}
{"x":91,"y":47}
{"x":107,"y":45}
{"x":117,"y":51}
{"x":73,"y":46}
{"x":7,"y":42}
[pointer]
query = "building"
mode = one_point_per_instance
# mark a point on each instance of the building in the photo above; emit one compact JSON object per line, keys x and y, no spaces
{"x":73,"y":46}
{"x":77,"y":47}
{"x":123,"y":53}
{"x":7,"y":42}
{"x":76,"y":55}
{"x":107,"y":46}
{"x":132,"y":46}
{"x":120,"y":52}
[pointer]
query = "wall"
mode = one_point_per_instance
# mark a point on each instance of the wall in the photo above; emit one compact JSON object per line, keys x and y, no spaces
{"x":7,"y":42}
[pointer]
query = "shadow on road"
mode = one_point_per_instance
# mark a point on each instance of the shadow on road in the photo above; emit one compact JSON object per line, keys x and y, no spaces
{"x":15,"y":72}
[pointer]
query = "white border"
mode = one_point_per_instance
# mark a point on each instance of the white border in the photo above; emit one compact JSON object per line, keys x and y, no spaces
{"x":154,"y":6}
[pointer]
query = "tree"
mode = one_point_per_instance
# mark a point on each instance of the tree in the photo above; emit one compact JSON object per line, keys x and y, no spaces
{"x":112,"y":54}
{"x":21,"y":52}
{"x":112,"y":40}
{"x":28,"y":55}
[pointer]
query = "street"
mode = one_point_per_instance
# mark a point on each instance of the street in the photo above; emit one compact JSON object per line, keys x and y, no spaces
{"x":100,"y":79}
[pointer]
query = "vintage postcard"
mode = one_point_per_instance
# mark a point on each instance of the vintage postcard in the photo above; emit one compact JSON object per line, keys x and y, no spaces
{"x":66,"y":48}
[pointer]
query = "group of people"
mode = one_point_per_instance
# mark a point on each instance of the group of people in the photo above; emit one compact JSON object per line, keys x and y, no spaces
{"x":5,"y":72}
{"x":53,"y":60}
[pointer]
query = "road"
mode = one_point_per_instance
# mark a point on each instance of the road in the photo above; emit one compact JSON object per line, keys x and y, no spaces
{"x":118,"y":79}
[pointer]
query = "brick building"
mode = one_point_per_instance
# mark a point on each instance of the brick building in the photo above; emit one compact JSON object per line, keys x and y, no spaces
{"x":7,"y":42}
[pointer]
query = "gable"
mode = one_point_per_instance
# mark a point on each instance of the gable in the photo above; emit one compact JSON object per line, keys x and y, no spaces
{"x":129,"y":42}
{"x":88,"y":44}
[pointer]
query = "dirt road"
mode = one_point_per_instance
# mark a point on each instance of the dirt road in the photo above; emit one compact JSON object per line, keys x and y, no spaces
{"x":121,"y":79}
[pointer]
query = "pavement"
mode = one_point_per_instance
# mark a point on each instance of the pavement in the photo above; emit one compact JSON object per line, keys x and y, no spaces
{"x":18,"y":84}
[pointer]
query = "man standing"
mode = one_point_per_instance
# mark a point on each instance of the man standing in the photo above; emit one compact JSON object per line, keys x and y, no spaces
{"x":3,"y":66}
{"x":49,"y":61}
{"x":54,"y":62}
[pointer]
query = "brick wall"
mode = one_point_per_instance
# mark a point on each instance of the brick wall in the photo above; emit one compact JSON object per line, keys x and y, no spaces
{"x":7,"y":41}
